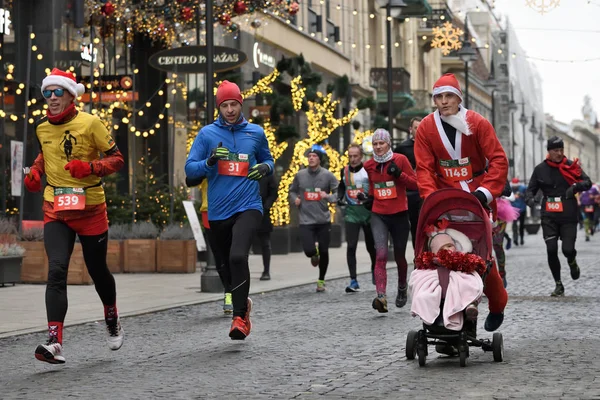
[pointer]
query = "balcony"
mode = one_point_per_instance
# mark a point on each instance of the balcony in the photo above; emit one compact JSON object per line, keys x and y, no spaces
{"x":416,"y":8}
{"x":401,"y":94}
{"x":423,"y":105}
{"x":439,"y":14}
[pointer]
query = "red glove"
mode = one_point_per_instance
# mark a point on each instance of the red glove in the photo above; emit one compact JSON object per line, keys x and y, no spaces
{"x":33,"y":181}
{"x":79,"y":169}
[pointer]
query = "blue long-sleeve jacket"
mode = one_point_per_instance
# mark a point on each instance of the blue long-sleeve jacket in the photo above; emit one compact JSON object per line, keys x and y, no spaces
{"x":228,"y":195}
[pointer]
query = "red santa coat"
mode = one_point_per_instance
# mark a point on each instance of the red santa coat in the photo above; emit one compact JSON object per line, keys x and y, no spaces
{"x":479,"y":144}
{"x":378,"y":174}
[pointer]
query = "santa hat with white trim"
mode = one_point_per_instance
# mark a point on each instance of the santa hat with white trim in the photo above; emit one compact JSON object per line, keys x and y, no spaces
{"x":447,"y":84}
{"x":64,"y":79}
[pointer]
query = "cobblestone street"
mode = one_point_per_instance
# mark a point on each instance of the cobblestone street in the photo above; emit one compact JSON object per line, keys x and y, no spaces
{"x":306,"y":345}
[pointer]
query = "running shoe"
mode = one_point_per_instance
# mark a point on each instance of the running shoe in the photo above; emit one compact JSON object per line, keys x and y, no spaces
{"x":353,"y":286}
{"x":402,"y":297}
{"x":265,"y":276}
{"x":559,"y":290}
{"x":241,"y":327}
{"x":321,"y":286}
{"x":575,"y":272}
{"x":115,"y":335}
{"x":51,"y":352}
{"x":227,"y":304}
{"x":314,"y":260}
{"x":380,"y":303}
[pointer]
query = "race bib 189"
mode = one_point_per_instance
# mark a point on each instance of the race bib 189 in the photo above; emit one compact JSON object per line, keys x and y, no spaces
{"x":385,"y":190}
{"x":457,"y":170}
{"x":69,"y":199}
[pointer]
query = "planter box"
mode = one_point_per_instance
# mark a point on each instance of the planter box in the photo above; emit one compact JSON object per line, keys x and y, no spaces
{"x":532,"y":228}
{"x":139,"y":255}
{"x":114,"y":256}
{"x":10,"y":269}
{"x":280,"y":241}
{"x":295,"y":240}
{"x":336,"y":236}
{"x":176,"y":256}
{"x":78,"y":273}
{"x":35,"y":263}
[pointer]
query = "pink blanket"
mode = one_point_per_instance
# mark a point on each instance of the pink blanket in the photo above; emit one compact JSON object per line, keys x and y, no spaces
{"x":463,"y":289}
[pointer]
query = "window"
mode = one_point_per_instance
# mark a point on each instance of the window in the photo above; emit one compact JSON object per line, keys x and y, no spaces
{"x":314,"y":22}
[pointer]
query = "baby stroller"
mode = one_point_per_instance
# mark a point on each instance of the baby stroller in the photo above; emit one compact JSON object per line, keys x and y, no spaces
{"x":464,"y":213}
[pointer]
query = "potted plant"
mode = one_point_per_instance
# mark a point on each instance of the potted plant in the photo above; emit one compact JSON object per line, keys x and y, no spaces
{"x":139,"y":249}
{"x":114,"y":255}
{"x":8,"y":231}
{"x":35,"y":261}
{"x":11,"y":256}
{"x":532,"y":225}
{"x":176,"y":250}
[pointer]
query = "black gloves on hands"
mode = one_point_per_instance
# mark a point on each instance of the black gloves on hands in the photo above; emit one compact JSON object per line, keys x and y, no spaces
{"x":570,"y":193}
{"x":531,"y":202}
{"x":220,"y":153}
{"x":257,"y":172}
{"x":361,"y":196}
{"x":393,"y":169}
{"x":482,"y":198}
{"x":368,"y":203}
{"x":342,"y":203}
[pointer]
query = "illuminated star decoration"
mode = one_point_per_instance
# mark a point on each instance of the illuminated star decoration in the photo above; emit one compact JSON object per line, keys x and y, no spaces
{"x":447,"y":38}
{"x":542,"y":6}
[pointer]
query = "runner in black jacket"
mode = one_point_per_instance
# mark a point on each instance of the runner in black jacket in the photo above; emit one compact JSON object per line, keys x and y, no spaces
{"x":559,"y":179}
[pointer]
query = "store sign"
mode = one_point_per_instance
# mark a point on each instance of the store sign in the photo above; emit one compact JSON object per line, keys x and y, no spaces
{"x":260,"y":57}
{"x":4,"y":21}
{"x":193,"y":59}
{"x":110,"y":82}
{"x":89,"y":53}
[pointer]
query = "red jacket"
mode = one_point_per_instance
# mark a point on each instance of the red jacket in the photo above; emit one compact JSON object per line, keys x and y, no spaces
{"x":390,"y":196}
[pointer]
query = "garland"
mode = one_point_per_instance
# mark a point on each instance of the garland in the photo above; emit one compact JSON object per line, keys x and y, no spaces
{"x":453,"y":260}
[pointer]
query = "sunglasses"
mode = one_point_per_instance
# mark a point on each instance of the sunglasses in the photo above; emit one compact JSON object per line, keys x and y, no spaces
{"x":57,"y":92}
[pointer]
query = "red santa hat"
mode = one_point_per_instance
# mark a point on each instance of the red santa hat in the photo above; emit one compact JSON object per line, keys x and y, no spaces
{"x":64,"y":79}
{"x":447,"y":83}
{"x":228,"y":91}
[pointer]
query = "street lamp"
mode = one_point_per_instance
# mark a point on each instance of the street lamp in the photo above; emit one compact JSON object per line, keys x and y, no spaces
{"x":467,"y":54}
{"x":491,"y":83}
{"x":541,"y":138}
{"x":512,"y":107}
{"x":393,"y":9}
{"x":534,"y":132}
{"x":523,"y":120}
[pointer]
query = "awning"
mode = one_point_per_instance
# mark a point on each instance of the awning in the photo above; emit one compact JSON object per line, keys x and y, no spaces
{"x":400,"y":100}
{"x":416,"y":8}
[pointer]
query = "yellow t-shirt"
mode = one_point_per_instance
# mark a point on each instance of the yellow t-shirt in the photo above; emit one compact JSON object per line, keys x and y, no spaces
{"x":83,"y":138}
{"x":204,"y":191}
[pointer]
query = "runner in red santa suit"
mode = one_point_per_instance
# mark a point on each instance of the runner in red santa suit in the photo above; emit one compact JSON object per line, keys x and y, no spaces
{"x":452,"y":147}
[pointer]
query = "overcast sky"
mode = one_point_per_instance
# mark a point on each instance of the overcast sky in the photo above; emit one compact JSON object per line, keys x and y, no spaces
{"x":560,"y":35}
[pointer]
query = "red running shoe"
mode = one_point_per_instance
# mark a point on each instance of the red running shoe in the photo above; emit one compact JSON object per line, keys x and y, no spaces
{"x":241,"y":327}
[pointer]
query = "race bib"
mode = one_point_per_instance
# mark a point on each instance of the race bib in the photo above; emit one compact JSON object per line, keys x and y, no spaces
{"x":236,"y":165}
{"x":588,"y":209}
{"x":554,"y":204}
{"x":312,"y":194}
{"x":352,"y":191}
{"x":457,"y":170}
{"x":385,"y":190}
{"x":69,"y":199}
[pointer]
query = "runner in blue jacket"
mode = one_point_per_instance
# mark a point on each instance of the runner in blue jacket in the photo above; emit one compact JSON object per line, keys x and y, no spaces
{"x":232,"y":154}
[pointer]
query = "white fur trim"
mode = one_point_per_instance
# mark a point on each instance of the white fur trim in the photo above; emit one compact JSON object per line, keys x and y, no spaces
{"x":76,"y":89}
{"x":487,"y":193}
{"x":463,"y":243}
{"x":446,"y":89}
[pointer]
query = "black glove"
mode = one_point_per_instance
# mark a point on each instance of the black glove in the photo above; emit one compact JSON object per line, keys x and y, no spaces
{"x":192,"y":182}
{"x":220,"y":153}
{"x":570,"y":193}
{"x":368,"y":203}
{"x":481,"y":197}
{"x":361,"y":196}
{"x":393,"y":169}
{"x":342,"y":203}
{"x":531,"y":203}
{"x":257,"y":172}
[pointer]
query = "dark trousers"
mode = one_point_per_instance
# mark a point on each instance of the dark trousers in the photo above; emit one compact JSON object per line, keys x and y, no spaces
{"x":414,"y":210}
{"x":352,"y":233}
{"x":567,"y":233}
{"x":59,"y":241}
{"x":233,"y":237}
{"x":519,"y":227}
{"x":320,"y":233}
{"x":265,"y":247}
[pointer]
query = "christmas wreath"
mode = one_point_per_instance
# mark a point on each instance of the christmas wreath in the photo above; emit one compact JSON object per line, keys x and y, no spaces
{"x":453,"y":260}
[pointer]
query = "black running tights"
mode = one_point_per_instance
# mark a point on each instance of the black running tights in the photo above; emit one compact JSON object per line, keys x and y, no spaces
{"x":59,"y":241}
{"x":352,"y":233}
{"x":320,"y":233}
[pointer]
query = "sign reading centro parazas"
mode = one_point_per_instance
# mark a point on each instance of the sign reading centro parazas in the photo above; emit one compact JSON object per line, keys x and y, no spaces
{"x":192,"y":59}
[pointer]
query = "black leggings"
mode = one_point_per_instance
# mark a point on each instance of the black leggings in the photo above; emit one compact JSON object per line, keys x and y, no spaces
{"x":59,"y":241}
{"x":213,"y":243}
{"x":265,"y":247}
{"x":519,"y":228}
{"x":234,"y":237}
{"x":352,"y":233}
{"x":309,"y":234}
{"x":567,"y":232}
{"x":414,"y":209}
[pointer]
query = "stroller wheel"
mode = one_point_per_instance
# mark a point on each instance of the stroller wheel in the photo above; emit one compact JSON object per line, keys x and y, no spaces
{"x":498,"y":347}
{"x":422,"y":357}
{"x":411,"y":345}
{"x":463,"y":358}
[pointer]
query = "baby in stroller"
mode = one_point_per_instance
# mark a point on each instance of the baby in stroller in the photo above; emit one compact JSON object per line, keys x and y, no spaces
{"x":446,"y":285}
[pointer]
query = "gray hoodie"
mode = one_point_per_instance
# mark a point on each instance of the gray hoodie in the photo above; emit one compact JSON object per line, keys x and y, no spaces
{"x":308,"y":184}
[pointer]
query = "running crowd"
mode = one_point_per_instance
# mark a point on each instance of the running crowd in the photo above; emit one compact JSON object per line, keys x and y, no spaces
{"x":230,"y":159}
